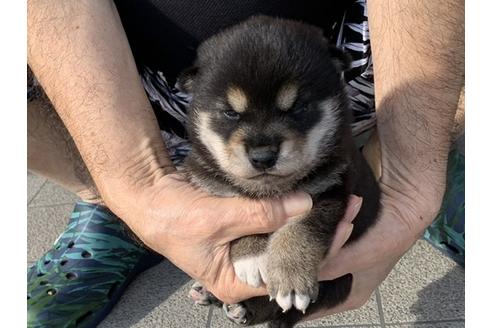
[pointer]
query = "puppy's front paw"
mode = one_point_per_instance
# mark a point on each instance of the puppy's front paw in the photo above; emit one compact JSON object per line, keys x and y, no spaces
{"x":291,"y":285}
{"x":251,"y":269}
{"x":201,"y":295}
{"x":237,"y":313}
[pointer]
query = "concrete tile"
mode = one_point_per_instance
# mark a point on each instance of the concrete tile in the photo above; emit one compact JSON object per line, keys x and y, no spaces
{"x":44,"y":225}
{"x":368,"y":314}
{"x":34,"y":182}
{"x":219,"y":320}
{"x":459,"y":324}
{"x":424,"y":286}
{"x":52,"y":194}
{"x":158,"y":298}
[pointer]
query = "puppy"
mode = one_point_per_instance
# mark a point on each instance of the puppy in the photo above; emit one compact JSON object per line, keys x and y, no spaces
{"x":270,"y":116}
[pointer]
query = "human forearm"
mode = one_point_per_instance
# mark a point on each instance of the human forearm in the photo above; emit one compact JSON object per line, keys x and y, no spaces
{"x":418,"y":53}
{"x":79,"y":52}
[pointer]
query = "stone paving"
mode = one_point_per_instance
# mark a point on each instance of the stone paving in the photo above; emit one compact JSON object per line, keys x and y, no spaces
{"x":425,"y":289}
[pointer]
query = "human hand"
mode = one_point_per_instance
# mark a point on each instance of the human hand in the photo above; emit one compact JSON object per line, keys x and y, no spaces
{"x":193,"y":229}
{"x":372,"y":258}
{"x":403,"y":217}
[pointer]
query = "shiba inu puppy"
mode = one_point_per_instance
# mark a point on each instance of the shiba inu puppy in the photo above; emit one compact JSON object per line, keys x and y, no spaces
{"x":269,"y":116}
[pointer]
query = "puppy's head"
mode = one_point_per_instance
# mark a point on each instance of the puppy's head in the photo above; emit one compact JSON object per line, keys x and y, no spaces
{"x":268,"y":102}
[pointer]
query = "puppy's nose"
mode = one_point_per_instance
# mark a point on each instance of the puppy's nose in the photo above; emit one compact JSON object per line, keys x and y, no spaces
{"x":263,"y":158}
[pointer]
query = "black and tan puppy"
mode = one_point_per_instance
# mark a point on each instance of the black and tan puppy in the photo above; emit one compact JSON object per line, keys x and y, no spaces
{"x":269,"y":116}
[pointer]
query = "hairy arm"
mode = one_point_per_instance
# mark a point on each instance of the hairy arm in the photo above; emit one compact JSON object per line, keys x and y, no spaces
{"x":418,"y":53}
{"x":80,"y":53}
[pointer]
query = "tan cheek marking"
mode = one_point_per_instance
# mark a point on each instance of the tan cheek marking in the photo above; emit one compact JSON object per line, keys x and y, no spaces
{"x":231,"y":155}
{"x":235,"y":149}
{"x":237,"y":99}
{"x":236,"y":139}
{"x":212,"y":141}
{"x":290,"y":150}
{"x":287,"y":96}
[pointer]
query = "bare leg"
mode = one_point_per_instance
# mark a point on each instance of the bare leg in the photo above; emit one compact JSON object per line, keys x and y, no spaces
{"x":52,"y":153}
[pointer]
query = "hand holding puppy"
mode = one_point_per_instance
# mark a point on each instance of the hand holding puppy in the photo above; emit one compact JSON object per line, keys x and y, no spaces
{"x":193,"y":230}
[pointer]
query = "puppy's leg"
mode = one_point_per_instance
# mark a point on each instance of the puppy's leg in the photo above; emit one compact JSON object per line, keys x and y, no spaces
{"x":295,"y":252}
{"x":249,"y":260}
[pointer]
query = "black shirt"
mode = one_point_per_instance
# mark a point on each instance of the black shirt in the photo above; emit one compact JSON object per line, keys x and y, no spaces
{"x":164,"y":34}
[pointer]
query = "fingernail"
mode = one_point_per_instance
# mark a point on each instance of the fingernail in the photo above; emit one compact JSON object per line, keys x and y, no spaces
{"x":355,"y":209}
{"x":349,"y":232}
{"x":297,"y":204}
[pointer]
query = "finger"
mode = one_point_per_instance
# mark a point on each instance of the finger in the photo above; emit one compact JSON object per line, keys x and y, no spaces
{"x":343,"y":232}
{"x":363,"y":284}
{"x":344,"y":227}
{"x":250,"y":292}
{"x":387,"y":238}
{"x":349,"y":259}
{"x":239,"y":291}
{"x":248,"y":217}
{"x":353,"y":207}
{"x":359,"y":256}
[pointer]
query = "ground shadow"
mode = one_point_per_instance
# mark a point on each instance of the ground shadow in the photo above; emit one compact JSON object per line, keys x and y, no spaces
{"x":443,"y":299}
{"x":148,"y":291}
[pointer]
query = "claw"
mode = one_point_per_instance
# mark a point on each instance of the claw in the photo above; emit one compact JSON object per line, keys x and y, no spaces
{"x":301,"y":302}
{"x":285,"y":301}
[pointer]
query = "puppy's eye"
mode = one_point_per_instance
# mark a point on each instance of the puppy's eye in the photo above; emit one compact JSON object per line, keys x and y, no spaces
{"x":299,"y":110}
{"x":232,"y":115}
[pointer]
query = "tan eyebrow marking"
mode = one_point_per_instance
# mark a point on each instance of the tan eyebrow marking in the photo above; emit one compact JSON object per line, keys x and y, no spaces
{"x":287,"y":96}
{"x":237,"y":99}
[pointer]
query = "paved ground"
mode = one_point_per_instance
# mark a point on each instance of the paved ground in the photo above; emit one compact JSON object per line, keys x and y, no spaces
{"x":425,"y":289}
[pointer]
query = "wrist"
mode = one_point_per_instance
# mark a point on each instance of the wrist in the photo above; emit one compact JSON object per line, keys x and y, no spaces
{"x":123,"y":187}
{"x":413,"y":206}
{"x":422,"y":190}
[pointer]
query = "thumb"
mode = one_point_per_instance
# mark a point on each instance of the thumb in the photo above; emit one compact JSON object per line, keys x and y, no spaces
{"x":249,"y":217}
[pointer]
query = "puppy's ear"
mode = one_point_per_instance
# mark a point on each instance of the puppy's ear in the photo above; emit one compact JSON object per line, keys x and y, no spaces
{"x":186,"y":78}
{"x":341,"y":58}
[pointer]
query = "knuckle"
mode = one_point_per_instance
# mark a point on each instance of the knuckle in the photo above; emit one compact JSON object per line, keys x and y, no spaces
{"x":261,"y":212}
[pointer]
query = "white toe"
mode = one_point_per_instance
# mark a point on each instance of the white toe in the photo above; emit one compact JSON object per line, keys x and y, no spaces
{"x":254,"y":278}
{"x":249,"y":270}
{"x":301,"y":302}
{"x":284,"y":301}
